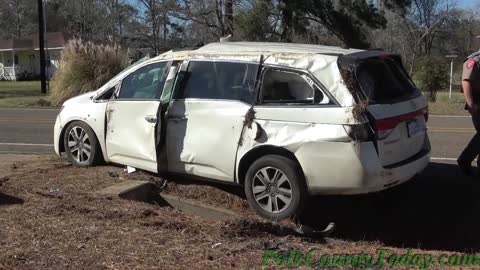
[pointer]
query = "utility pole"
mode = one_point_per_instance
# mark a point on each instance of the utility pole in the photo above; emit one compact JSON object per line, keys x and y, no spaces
{"x":451,"y":57}
{"x":41,"y":44}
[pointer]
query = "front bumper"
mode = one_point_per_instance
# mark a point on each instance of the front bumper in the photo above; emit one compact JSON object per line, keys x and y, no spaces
{"x":57,"y":130}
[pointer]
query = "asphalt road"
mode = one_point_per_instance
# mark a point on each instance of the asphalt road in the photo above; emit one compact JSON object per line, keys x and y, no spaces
{"x":31,"y":131}
{"x":27,"y":130}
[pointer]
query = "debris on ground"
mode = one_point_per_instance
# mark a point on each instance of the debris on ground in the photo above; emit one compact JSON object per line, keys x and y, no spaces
{"x":270,"y":244}
{"x":50,"y":194}
{"x":311,"y":232}
{"x":54,"y":191}
{"x":216,"y":245}
{"x":113,"y":174}
{"x":130,"y":169}
{"x":3,"y":180}
{"x":13,"y":166}
{"x":75,"y":228}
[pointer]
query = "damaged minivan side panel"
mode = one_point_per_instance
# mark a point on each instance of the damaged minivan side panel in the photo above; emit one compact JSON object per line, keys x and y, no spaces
{"x":205,"y":119}
{"x":311,"y":132}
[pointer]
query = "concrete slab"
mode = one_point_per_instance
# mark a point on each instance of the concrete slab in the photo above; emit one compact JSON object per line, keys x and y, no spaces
{"x":146,"y":191}
{"x":130,"y":190}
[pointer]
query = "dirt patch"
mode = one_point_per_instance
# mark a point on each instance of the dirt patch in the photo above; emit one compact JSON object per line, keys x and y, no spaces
{"x":228,"y":197}
{"x":51,"y":219}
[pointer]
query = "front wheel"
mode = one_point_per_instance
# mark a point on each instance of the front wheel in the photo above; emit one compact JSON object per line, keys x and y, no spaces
{"x":275,"y":187}
{"x":81,"y":145}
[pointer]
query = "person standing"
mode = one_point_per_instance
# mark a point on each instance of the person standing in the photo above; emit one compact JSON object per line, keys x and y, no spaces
{"x":471,"y":91}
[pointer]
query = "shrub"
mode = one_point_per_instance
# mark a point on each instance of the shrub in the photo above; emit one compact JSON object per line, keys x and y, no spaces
{"x":85,"y":67}
{"x":431,"y":76}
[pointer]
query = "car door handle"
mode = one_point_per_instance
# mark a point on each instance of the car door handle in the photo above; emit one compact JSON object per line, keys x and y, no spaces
{"x":151,"y":118}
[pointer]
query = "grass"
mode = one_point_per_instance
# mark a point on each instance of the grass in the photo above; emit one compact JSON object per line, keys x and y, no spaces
{"x":444,"y":105}
{"x":21,"y":94}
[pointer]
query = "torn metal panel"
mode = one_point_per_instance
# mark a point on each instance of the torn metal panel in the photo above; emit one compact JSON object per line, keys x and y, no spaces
{"x":297,"y":137}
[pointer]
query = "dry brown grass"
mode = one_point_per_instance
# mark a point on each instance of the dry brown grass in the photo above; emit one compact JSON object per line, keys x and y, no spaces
{"x":76,"y":229}
{"x":84,"y":67}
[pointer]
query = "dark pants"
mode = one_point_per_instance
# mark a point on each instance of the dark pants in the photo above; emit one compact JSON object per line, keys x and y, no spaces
{"x":473,"y":148}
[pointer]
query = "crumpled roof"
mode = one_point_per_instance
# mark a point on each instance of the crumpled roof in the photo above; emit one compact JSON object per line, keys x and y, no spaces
{"x":271,"y":47}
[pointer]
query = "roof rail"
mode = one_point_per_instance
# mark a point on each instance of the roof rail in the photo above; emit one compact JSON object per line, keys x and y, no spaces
{"x":188,"y":48}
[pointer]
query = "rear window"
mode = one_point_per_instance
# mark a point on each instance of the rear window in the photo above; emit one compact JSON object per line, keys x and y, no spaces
{"x":384,"y":81}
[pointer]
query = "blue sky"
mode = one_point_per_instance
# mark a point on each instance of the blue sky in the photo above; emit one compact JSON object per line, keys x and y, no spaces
{"x":466,"y":3}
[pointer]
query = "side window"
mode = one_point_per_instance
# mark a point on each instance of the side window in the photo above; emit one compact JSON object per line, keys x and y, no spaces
{"x":144,"y":83}
{"x":220,"y":80}
{"x":107,"y":94}
{"x":281,"y":86}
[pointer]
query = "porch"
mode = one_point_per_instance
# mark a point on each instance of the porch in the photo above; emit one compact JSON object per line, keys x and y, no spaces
{"x":19,"y":64}
{"x":7,"y":73}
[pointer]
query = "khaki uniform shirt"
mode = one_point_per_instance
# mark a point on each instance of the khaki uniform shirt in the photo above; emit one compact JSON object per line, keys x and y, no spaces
{"x":471,"y":73}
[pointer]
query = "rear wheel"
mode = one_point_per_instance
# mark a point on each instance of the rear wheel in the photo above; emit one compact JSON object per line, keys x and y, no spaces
{"x":81,"y":145}
{"x":275,"y":187}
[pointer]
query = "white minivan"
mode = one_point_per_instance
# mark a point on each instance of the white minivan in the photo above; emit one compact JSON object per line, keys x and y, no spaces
{"x":286,"y":121}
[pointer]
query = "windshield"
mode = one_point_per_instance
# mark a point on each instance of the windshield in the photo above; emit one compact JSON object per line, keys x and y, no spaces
{"x":125,"y":70}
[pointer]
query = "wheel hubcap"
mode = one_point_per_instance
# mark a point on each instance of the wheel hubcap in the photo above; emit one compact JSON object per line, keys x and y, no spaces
{"x":79,"y":144}
{"x":272,"y":190}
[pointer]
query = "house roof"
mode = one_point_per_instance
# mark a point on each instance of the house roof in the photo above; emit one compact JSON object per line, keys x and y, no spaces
{"x":30,"y":42}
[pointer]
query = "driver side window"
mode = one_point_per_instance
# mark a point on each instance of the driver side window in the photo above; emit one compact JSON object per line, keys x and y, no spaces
{"x":145,"y":83}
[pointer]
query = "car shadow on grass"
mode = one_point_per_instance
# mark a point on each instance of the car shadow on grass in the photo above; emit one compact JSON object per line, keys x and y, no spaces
{"x":438,"y":209}
{"x":9,"y":200}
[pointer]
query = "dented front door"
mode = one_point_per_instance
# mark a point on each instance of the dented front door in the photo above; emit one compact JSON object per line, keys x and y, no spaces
{"x":206,"y":117}
{"x":132,"y":118}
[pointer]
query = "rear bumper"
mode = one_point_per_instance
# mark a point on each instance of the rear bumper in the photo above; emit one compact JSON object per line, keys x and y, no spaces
{"x":354,"y":168}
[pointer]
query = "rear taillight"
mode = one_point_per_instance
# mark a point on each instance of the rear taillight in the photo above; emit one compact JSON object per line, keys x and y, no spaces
{"x":384,"y":127}
{"x":360,"y":133}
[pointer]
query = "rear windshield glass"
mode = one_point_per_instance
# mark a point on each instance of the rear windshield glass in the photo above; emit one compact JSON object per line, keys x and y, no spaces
{"x":384,"y":81}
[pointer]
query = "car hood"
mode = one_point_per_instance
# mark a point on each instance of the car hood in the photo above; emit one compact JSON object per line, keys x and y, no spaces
{"x":83,"y":98}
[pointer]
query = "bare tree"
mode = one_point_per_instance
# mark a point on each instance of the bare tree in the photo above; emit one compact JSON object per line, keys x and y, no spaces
{"x":119,"y":13}
{"x":216,"y":16}
{"x":15,"y":17}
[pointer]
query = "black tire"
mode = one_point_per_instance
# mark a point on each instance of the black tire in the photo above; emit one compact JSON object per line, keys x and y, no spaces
{"x":270,"y":165}
{"x":88,"y":144}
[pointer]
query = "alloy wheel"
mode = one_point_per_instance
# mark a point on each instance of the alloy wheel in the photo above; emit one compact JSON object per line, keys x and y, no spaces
{"x":272,"y":190}
{"x":79,"y":144}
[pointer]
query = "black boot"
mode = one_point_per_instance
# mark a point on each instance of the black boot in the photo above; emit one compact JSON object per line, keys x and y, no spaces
{"x":465,"y":167}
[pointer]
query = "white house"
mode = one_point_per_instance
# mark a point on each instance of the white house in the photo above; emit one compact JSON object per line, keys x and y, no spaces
{"x":19,"y":58}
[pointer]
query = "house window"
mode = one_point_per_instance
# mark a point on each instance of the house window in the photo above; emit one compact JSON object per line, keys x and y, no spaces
{"x":16,"y":59}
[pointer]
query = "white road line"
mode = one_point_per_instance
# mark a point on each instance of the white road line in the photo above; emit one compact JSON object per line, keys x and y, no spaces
{"x":27,"y":109}
{"x":27,"y":144}
{"x":25,"y":152}
{"x":443,"y":158}
{"x":448,"y":116}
